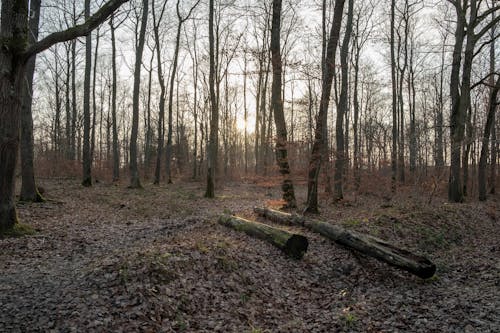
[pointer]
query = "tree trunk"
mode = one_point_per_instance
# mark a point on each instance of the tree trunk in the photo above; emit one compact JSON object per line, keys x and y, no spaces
{"x":94,"y":104}
{"x":67,"y":142}
{"x":343,"y":106}
{"x":29,"y":191}
{"x":134,"y":172}
{"x":147,"y":119}
{"x":412,"y":108}
{"x":13,"y":59}
{"x":457,"y":116}
{"x":494,"y":141}
{"x":319,"y":140}
{"x":114,"y":125}
{"x":492,"y":106}
{"x":357,"y":144}
{"x":161,"y":80}
{"x":57,"y":122}
{"x":294,"y":245}
{"x":277,"y":105}
{"x":171,"y":101}
{"x":366,"y":244}
{"x":74,"y":111}
{"x":245,"y":108}
{"x":87,"y":158}
{"x":394,"y":151}
{"x":439,"y":159}
{"x":467,"y":149}
{"x":214,"y":110}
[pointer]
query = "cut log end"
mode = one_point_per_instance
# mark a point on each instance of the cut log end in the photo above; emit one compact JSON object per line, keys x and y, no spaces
{"x":296,"y":246}
{"x":426,"y":269}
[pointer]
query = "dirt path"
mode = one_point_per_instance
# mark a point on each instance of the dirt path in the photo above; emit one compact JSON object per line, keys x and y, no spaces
{"x":114,"y":259}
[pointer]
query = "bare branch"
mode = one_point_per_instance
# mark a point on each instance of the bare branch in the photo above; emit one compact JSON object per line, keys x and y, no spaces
{"x":77,"y":31}
{"x":484,"y":81}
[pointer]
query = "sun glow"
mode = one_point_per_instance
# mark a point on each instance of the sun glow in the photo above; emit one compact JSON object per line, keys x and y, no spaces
{"x":250,"y":124}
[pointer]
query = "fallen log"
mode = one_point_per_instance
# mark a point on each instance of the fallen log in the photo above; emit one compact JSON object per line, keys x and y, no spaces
{"x":294,"y":245}
{"x":366,"y":244}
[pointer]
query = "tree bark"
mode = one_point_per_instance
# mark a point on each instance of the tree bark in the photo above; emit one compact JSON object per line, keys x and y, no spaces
{"x":343,"y":106}
{"x":394,"y":151}
{"x":161,"y":81}
{"x":319,"y":140}
{"x":67,"y":93}
{"x":214,"y":110}
{"x":29,"y":190}
{"x":134,"y":172}
{"x":294,"y":245}
{"x":13,"y":57}
{"x":114,"y":125}
{"x":494,"y":141}
{"x":277,"y":105}
{"x":366,"y":244}
{"x":492,"y":106}
{"x":87,"y":158}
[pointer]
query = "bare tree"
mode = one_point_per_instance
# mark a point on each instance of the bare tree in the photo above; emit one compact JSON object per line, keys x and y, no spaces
{"x":343,"y":105}
{"x":134,"y":172}
{"x":394,"y":152}
{"x":214,"y":109}
{"x":29,"y":190}
{"x":277,"y":106}
{"x":181,"y":20}
{"x":13,"y":62}
{"x":469,"y":18}
{"x":87,"y":157}
{"x":114,"y":124}
{"x":492,"y":106}
{"x":161,"y":80}
{"x":319,"y":140}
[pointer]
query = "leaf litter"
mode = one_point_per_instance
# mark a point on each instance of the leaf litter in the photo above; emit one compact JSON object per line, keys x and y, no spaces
{"x":109,"y":258}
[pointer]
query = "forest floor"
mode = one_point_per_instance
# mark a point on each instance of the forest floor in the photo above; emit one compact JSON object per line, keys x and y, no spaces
{"x":108,"y":258}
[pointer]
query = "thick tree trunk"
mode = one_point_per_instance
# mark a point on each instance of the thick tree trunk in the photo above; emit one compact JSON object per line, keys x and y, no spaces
{"x":29,"y":191}
{"x":277,"y":105}
{"x":11,"y":78}
{"x":492,"y":106}
{"x":366,"y":244}
{"x":457,"y":116}
{"x":294,"y":245}
{"x":134,"y":172}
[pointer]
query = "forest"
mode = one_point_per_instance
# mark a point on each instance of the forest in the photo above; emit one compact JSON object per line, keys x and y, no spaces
{"x":249,"y":166}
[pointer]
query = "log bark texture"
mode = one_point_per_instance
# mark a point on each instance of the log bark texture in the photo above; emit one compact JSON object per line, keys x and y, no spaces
{"x":366,"y":244}
{"x":294,"y":245}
